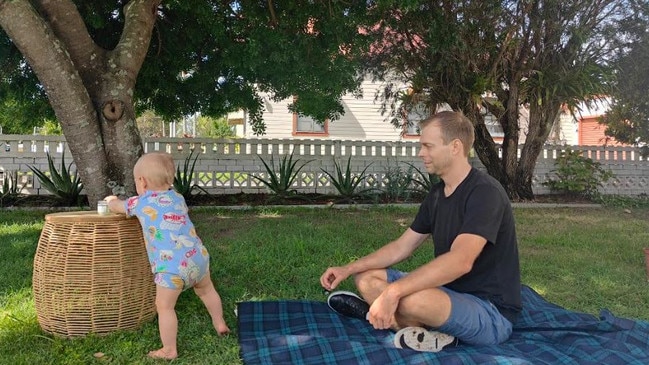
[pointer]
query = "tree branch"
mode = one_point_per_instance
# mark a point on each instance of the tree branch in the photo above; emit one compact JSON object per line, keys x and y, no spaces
{"x":66,"y":23}
{"x":273,"y":16}
{"x":130,"y":52}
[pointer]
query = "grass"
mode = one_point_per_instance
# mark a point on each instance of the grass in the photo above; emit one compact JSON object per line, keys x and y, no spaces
{"x":582,"y":259}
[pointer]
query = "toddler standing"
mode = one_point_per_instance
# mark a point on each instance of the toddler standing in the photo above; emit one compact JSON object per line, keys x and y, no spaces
{"x":177,"y":256}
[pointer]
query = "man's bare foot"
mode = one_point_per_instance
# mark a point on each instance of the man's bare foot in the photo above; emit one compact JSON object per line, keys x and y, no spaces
{"x":163,"y":354}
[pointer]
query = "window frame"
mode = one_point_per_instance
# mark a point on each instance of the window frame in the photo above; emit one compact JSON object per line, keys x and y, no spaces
{"x":405,"y":129}
{"x":296,"y":132}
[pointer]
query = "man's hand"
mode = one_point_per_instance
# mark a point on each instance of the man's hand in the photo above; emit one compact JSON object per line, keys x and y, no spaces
{"x":382,"y":310}
{"x":333,"y":276}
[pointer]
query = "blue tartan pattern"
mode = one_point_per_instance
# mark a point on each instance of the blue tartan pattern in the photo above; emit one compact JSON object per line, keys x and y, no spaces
{"x":308,"y":332}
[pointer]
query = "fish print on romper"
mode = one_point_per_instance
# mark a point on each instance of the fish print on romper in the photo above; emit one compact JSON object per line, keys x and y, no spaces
{"x":132,"y":203}
{"x":173,"y":221}
{"x":176,"y":282}
{"x":166,"y":255}
{"x":163,"y":259}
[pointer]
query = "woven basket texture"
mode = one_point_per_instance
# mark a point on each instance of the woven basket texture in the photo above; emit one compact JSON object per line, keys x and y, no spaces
{"x":92,"y":275}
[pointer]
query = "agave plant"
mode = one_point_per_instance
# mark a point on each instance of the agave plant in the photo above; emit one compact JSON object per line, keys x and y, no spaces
{"x":423,"y":181}
{"x":65,"y":186}
{"x":184,"y":180}
{"x":280,"y":181}
{"x":10,"y":189}
{"x":397,"y":183}
{"x":347,"y":183}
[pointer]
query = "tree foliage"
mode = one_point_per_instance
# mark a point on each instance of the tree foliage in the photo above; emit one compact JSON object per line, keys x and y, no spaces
{"x":499,"y":57}
{"x":628,"y":119}
{"x":231,"y":51}
{"x":101,"y":63}
{"x":23,"y":105}
{"x":19,"y":113}
{"x":187,"y":56}
{"x":214,"y":57}
{"x":213,"y":127}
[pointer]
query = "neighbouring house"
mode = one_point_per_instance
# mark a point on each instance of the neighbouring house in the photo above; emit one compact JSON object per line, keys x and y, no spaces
{"x":363,"y":120}
{"x":583,"y":128}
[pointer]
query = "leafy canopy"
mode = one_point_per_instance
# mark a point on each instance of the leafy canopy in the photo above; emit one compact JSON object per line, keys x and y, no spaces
{"x":215,"y":57}
{"x":628,"y":119}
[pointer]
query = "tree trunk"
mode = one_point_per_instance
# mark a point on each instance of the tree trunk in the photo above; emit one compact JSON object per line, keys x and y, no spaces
{"x":504,"y":168}
{"x":542,"y":117}
{"x":89,"y":88}
{"x":487,"y":150}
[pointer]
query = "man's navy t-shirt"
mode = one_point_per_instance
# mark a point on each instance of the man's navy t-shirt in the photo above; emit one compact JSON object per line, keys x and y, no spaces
{"x":480,"y":206}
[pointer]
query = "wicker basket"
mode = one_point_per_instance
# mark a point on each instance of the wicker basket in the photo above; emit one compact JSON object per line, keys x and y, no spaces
{"x":92,"y":275}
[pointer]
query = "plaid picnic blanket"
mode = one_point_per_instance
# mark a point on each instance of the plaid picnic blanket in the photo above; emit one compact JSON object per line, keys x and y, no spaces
{"x":308,"y":332}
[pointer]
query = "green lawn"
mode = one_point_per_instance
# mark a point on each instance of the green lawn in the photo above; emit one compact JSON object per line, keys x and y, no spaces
{"x":582,"y":259}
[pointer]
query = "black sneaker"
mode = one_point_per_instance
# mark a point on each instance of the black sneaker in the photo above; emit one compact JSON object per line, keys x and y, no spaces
{"x":348,"y":304}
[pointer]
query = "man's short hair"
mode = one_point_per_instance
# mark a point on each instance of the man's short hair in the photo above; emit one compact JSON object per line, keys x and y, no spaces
{"x":454,"y":125}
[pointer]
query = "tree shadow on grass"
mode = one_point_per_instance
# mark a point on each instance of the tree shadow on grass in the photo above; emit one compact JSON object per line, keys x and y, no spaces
{"x":17,"y":250}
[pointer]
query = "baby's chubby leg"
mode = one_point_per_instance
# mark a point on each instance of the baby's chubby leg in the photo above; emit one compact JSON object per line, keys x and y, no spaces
{"x":165,"y":302}
{"x":210,"y":297}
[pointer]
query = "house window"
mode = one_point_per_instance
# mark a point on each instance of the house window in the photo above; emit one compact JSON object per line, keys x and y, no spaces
{"x":304,"y":125}
{"x":414,"y":115}
{"x":494,"y":128}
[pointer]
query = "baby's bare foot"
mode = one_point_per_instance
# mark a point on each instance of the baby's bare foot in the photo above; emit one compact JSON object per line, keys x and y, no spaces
{"x":163,"y":354}
{"x":222,"y":328}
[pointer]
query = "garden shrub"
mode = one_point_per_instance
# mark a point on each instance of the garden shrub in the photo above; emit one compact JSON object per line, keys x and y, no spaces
{"x":577,"y":175}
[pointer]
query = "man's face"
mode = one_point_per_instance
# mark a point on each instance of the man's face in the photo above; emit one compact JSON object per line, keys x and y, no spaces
{"x":435,"y":155}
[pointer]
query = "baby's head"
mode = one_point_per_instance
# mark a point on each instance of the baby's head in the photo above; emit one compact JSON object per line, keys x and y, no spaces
{"x":154,"y":171}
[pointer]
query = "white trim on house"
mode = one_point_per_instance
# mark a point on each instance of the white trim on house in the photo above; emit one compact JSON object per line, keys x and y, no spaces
{"x":362,"y":119}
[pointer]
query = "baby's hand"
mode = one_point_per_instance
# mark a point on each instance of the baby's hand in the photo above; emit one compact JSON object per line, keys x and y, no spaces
{"x":110,"y":197}
{"x":115,"y":205}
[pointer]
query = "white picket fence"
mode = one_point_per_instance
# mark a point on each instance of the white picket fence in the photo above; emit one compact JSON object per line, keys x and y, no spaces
{"x":227,"y":166}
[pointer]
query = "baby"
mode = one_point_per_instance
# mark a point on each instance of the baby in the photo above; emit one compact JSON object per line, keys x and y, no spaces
{"x":177,"y":256}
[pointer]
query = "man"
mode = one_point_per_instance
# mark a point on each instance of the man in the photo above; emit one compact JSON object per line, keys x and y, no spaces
{"x":470,"y":291}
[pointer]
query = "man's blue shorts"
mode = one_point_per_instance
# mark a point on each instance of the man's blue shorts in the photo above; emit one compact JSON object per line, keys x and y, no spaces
{"x":473,"y":320}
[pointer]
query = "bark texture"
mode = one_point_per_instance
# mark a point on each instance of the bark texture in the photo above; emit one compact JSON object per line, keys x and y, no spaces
{"x":89,"y":88}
